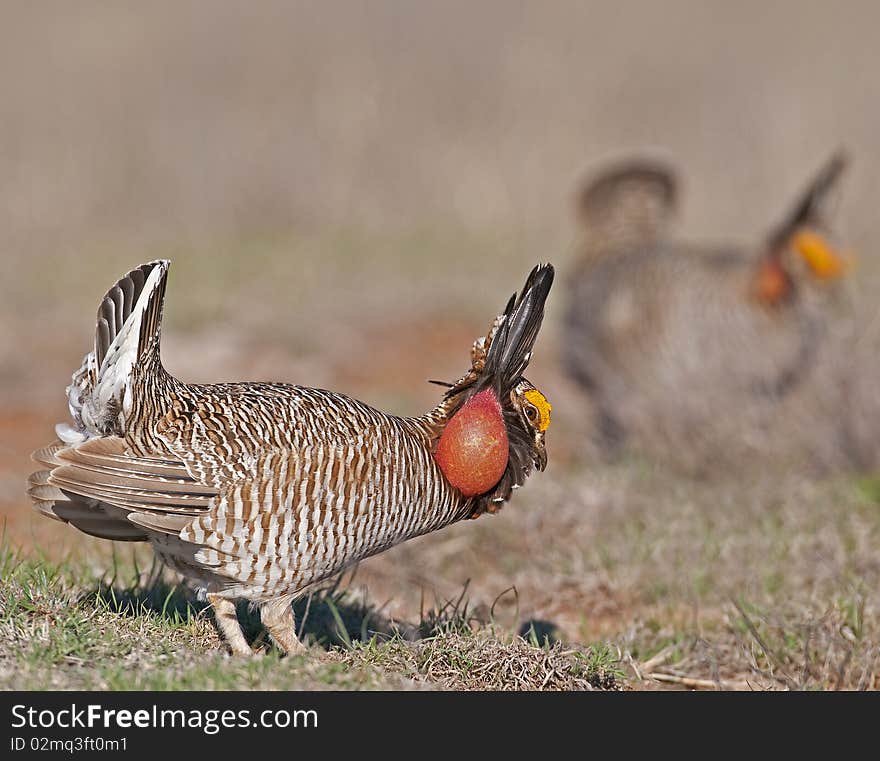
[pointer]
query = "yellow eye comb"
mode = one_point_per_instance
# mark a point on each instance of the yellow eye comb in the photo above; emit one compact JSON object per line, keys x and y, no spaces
{"x":824,"y":262}
{"x":540,"y":402}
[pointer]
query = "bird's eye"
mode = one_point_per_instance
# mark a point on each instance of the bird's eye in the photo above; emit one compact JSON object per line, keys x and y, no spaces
{"x":537,"y":409}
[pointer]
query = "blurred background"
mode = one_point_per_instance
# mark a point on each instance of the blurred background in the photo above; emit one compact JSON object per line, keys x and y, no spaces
{"x":350,"y":191}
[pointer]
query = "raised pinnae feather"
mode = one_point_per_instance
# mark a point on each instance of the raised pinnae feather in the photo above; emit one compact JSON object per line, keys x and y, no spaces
{"x":808,"y":208}
{"x":511,"y":348}
{"x":501,"y":357}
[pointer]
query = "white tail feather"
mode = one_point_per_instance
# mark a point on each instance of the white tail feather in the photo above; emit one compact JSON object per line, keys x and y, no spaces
{"x":115,"y":370}
{"x":100,"y":389}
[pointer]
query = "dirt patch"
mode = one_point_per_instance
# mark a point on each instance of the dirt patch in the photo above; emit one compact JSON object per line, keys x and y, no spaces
{"x":20,"y":433}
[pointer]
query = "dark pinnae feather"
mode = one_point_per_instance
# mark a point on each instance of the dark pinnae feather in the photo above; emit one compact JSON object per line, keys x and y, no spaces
{"x":512,"y":345}
{"x":809,"y":205}
{"x":506,"y":361}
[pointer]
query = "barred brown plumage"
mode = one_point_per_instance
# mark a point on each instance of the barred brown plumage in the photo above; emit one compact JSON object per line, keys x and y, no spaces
{"x":258,"y":490}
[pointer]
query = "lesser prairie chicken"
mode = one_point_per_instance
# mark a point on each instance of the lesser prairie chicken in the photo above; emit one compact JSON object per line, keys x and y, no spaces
{"x":672,"y":339}
{"x":258,"y":490}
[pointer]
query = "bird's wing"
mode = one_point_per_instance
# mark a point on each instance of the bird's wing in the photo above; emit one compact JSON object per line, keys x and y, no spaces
{"x":103,"y":489}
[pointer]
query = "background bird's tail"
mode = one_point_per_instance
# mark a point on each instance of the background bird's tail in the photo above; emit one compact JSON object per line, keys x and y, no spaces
{"x":628,"y":205}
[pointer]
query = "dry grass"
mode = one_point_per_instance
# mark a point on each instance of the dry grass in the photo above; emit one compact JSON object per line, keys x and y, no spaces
{"x":58,"y":634}
{"x":484,"y":661}
{"x":630,"y":578}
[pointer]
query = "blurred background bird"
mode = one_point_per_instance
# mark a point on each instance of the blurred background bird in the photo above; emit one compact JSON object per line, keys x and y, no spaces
{"x":688,"y":348}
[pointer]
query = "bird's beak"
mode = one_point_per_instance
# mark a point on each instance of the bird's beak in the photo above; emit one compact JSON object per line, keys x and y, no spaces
{"x":540,"y":453}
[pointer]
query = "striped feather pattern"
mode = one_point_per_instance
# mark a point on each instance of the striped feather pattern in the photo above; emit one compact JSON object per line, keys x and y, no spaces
{"x":254,"y":490}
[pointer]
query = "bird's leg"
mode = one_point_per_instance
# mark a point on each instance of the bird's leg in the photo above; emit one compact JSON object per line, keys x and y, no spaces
{"x":227,"y":623}
{"x":277,"y":617}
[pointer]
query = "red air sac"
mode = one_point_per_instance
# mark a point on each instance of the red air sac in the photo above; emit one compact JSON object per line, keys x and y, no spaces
{"x":473,"y":448}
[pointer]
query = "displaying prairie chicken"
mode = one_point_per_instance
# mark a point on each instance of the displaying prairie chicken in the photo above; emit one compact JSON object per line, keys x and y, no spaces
{"x":672,"y":339}
{"x":258,"y":490}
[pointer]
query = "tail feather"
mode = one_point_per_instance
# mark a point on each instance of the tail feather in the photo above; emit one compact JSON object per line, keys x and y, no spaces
{"x":126,"y":333}
{"x":628,"y":204}
{"x":135,"y":293}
